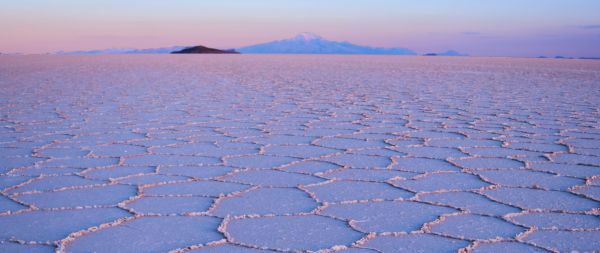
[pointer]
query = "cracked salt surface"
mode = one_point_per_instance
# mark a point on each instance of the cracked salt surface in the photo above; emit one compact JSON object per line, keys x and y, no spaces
{"x":352,"y":154}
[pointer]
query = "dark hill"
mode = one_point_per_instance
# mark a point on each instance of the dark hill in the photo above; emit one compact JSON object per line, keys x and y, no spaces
{"x":204,"y":50}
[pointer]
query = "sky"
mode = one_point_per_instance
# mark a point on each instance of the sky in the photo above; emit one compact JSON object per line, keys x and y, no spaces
{"x":478,"y":27}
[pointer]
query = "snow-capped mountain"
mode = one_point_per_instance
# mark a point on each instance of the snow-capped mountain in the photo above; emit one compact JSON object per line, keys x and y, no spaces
{"x":308,"y":43}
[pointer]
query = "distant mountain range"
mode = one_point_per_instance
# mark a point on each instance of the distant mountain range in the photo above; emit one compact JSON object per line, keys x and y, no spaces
{"x":308,"y":43}
{"x":162,"y":50}
{"x":304,"y":43}
{"x":447,"y":53}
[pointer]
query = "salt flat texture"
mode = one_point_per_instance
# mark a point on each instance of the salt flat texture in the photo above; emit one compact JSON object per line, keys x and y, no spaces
{"x":199,"y":153}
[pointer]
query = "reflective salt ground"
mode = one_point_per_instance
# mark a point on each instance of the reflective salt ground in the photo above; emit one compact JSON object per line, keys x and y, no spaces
{"x":239,"y":153}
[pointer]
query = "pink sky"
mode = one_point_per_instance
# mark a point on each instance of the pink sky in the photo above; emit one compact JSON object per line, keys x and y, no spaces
{"x":507,"y":27}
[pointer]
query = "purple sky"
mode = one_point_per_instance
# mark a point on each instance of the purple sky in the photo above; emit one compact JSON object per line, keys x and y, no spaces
{"x":491,"y":27}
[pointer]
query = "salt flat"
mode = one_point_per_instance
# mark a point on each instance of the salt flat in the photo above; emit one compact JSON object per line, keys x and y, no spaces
{"x":239,"y":153}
